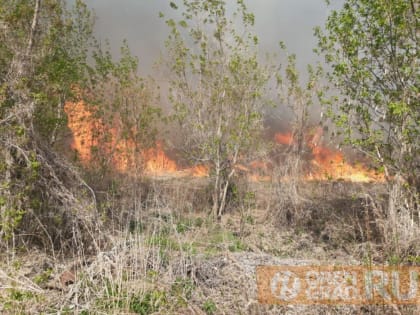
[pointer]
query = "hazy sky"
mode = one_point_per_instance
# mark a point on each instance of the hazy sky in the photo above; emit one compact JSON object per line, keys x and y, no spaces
{"x":291,"y":21}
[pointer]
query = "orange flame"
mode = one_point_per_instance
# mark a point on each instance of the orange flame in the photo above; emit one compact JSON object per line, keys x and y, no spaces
{"x":284,"y":138}
{"x":200,"y":171}
{"x":83,"y":125}
{"x":328,"y":163}
{"x":157,"y":162}
{"x":88,"y":131}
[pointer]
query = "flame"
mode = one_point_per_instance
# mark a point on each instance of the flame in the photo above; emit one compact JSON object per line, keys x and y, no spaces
{"x":284,"y":138}
{"x":331,"y":165}
{"x":328,"y":163}
{"x":157,"y":162}
{"x":200,"y":171}
{"x":259,"y":171}
{"x":83,"y":126}
{"x":90,"y":133}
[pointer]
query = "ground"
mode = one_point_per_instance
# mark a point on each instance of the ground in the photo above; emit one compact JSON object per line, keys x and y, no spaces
{"x":172,"y":258}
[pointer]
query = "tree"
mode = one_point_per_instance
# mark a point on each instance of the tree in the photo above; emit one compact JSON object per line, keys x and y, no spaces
{"x":373,"y":51}
{"x":48,"y":58}
{"x":121,"y":127}
{"x":299,"y":96}
{"x":43,"y":55}
{"x":216,"y":88}
{"x":126,"y":104}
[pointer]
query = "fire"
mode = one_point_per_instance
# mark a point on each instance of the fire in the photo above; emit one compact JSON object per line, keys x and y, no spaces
{"x":83,"y":126}
{"x":90,"y":134}
{"x":327,"y":163}
{"x":200,"y":171}
{"x":331,"y":165}
{"x":284,"y":138}
{"x":157,"y":162}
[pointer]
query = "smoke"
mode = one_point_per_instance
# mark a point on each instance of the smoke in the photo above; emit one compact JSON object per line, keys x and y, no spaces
{"x":289,"y":21}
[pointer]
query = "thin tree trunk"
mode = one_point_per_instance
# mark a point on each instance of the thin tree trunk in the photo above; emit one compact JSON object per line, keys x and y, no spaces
{"x":218,"y":182}
{"x":216,"y":191}
{"x":5,"y":192}
{"x":33,"y":28}
{"x":223,"y":197}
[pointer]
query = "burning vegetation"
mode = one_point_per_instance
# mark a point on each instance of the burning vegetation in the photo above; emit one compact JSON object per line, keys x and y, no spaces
{"x":325,"y":163}
{"x":90,"y":134}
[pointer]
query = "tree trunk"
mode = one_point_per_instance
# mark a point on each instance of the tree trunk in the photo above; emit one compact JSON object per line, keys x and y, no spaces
{"x":216,"y":192}
{"x":223,"y":198}
{"x":6,"y":194}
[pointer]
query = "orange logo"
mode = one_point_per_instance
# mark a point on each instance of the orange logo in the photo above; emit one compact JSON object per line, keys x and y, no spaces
{"x":337,"y":285}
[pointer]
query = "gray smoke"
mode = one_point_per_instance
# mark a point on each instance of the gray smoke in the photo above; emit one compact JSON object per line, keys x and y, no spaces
{"x":290,"y":21}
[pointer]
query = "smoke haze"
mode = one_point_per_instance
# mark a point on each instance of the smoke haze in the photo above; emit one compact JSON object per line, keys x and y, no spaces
{"x":290,"y":21}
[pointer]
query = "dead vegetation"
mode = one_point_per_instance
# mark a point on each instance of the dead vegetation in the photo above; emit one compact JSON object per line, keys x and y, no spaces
{"x":161,"y":253}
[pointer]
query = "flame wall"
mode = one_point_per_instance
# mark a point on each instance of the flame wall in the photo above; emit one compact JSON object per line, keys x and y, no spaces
{"x":91,"y":136}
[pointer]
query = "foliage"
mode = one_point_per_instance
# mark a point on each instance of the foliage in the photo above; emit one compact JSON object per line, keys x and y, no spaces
{"x":125,"y":103}
{"x":372,"y":48}
{"x":209,"y":307}
{"x":182,"y":289}
{"x":216,"y":88}
{"x":149,"y":303}
{"x":43,"y":277}
{"x":49,"y":59}
{"x":300,"y":97}
{"x":43,"y":55}
{"x":184,"y":225}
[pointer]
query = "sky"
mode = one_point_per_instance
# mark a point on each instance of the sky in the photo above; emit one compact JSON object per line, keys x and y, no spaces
{"x":290,"y":21}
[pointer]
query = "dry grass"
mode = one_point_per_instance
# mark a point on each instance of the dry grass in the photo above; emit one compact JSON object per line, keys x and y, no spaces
{"x":162,"y":254}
